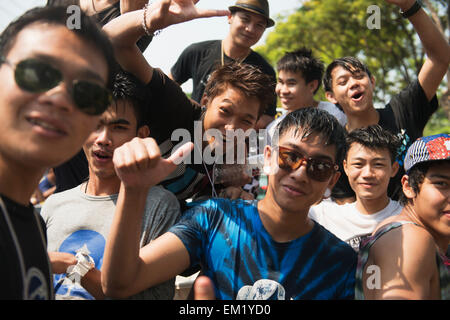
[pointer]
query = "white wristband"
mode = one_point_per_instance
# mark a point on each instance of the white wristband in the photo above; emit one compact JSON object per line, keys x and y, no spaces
{"x":84,"y":264}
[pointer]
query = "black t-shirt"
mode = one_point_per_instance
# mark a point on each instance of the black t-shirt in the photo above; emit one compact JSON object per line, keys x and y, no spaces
{"x":200,"y":59}
{"x":406,"y":115}
{"x":170,"y":109}
{"x":73,"y":172}
{"x":36,"y":282}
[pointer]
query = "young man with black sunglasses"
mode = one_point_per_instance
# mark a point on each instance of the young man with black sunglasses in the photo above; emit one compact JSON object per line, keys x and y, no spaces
{"x":250,"y":250}
{"x":51,"y":99}
{"x":73,"y":172}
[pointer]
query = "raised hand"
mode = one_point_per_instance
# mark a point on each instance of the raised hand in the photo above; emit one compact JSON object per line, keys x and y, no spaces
{"x":164,"y":13}
{"x":138,"y":163}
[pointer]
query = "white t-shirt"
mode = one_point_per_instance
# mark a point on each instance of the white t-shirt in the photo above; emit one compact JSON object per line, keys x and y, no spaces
{"x":347,"y":223}
{"x":323,"y":105}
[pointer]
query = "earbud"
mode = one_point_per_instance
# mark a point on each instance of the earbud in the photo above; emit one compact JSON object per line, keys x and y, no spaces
{"x":327,"y":193}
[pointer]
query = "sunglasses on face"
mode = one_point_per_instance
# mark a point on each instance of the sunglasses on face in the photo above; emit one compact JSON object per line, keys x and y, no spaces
{"x":37,"y":76}
{"x":319,"y":170}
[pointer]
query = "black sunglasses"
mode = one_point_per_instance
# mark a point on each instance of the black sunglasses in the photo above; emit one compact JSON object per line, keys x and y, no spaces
{"x":319,"y":170}
{"x":36,"y":76}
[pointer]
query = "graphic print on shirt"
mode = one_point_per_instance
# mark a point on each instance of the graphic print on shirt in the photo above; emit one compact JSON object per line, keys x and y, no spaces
{"x":89,"y":241}
{"x":36,"y":285}
{"x":355,"y":241}
{"x":264,"y":289}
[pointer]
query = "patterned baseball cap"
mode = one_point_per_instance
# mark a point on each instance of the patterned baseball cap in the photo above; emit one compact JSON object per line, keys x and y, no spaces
{"x":424,"y":149}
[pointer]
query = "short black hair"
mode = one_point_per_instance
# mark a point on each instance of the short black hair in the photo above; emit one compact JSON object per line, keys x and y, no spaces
{"x":129,"y":88}
{"x":58,"y":15}
{"x":307,"y":121}
{"x":249,"y":79}
{"x":376,"y":138}
{"x":416,"y":176}
{"x":351,"y":64}
{"x":303,"y":61}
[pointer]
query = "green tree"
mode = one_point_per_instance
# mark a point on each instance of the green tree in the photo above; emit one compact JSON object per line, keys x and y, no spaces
{"x":337,"y":28}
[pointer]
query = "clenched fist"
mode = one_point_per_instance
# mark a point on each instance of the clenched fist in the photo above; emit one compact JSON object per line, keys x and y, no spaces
{"x":138,"y":163}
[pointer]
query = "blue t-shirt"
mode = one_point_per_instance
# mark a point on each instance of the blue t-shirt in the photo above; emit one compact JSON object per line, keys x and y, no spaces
{"x":234,"y":249}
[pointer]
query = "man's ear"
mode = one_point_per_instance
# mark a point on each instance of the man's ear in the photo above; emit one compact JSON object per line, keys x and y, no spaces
{"x":373,"y":81}
{"x":269,"y":163}
{"x":143,"y":131}
{"x":334,"y":180}
{"x":204,"y":100}
{"x":395,"y":167}
{"x":344,"y":165}
{"x":313,"y":85}
{"x":330,"y":97}
{"x":407,"y":189}
{"x":230,"y":17}
{"x":267,"y":155}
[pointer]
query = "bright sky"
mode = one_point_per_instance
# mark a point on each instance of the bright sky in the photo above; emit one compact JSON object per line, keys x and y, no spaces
{"x":166,"y":47}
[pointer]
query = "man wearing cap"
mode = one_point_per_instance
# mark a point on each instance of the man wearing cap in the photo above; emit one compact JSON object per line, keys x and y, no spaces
{"x":406,"y":256}
{"x":248,"y":21}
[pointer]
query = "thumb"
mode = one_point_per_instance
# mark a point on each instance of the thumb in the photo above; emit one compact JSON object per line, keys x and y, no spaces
{"x":204,"y":289}
{"x":181,"y":153}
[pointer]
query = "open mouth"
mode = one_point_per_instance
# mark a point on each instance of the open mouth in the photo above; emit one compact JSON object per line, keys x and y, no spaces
{"x":102,"y":155}
{"x":357,"y":96}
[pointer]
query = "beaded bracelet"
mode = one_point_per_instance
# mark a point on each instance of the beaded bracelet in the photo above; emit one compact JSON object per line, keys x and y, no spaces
{"x":144,"y":24}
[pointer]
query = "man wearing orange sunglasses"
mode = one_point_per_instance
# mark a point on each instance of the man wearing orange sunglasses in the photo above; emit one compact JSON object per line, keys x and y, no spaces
{"x":266,"y":249}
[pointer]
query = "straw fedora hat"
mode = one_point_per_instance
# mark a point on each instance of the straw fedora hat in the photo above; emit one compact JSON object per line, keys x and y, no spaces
{"x":260,"y":7}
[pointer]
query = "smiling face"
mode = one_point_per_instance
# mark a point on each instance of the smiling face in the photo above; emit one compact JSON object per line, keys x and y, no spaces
{"x":246,"y":28}
{"x":431,"y":203}
{"x":230,"y":110}
{"x":352,"y":91}
{"x":45,"y":129}
{"x":369,"y":171}
{"x":293,"y":91}
{"x":294,"y":191}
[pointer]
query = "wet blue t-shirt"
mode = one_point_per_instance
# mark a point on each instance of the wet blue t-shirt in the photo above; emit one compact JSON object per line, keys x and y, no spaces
{"x":228,"y":239}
